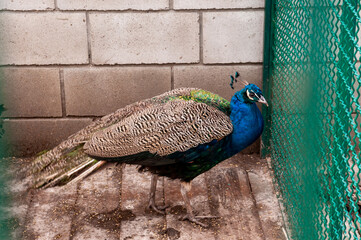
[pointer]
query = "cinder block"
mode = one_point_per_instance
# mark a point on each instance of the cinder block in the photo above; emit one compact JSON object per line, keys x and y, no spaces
{"x":43,"y":38}
{"x":113,"y":5}
{"x":135,"y":38}
{"x":29,"y":137}
{"x":216,"y":4}
{"x":233,"y":37}
{"x":216,"y":78}
{"x":99,"y":91}
{"x":26,"y":4}
{"x":31,"y":92}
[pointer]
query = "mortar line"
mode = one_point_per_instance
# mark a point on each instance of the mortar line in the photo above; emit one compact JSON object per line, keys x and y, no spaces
{"x":137,"y":10}
{"x":30,"y":204}
{"x":171,"y":4}
{"x":276,"y":188}
{"x":62,"y":92}
{"x":51,"y":118}
{"x":165,"y":226}
{"x":78,"y":117}
{"x":74,"y":215}
{"x":171,"y":77}
{"x":119,"y":169}
{"x":56,"y":5}
{"x":121,"y":203}
{"x":87,"y":65}
{"x":201,"y":37}
{"x":90,"y":57}
{"x":212,"y":210}
{"x":255,"y":204}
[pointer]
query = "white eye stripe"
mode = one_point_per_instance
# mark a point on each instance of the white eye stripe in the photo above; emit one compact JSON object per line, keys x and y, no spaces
{"x":248,"y":94}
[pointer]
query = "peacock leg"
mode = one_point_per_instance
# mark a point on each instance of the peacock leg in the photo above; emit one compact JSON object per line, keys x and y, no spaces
{"x":185,"y":188}
{"x":153,"y":188}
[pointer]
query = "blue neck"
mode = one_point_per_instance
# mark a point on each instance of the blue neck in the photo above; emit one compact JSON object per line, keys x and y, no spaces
{"x":247,"y":123}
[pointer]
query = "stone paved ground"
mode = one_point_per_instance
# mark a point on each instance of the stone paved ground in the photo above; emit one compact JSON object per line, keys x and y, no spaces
{"x":111,"y":204}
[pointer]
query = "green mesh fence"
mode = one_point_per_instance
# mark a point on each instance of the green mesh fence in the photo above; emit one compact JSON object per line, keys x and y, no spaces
{"x":312,"y":134}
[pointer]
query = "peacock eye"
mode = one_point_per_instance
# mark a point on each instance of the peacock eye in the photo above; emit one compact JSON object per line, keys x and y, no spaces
{"x":252,"y":95}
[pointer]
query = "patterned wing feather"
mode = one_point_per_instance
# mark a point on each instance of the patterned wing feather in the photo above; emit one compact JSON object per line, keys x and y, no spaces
{"x":175,"y":126}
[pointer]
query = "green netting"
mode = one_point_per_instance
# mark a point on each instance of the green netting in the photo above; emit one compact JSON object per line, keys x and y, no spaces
{"x":312,"y":80}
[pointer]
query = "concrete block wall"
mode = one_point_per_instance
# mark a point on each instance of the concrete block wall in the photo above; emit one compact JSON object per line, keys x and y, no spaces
{"x":66,"y":62}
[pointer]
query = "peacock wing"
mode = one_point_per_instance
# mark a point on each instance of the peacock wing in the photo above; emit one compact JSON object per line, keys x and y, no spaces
{"x":163,"y":129}
{"x":69,"y":154}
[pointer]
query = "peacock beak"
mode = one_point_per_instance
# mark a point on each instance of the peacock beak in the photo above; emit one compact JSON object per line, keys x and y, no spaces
{"x":262,"y":100}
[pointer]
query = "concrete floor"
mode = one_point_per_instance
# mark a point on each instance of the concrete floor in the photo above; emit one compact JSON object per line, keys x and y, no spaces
{"x":111,"y":204}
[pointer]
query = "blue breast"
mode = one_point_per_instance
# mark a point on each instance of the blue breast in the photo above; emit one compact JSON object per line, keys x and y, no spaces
{"x":247,"y":125}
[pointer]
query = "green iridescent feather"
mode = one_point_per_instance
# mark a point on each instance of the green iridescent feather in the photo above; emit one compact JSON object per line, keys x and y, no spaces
{"x":208,"y":98}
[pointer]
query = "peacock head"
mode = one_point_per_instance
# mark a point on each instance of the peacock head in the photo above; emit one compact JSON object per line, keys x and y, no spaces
{"x":250,"y":93}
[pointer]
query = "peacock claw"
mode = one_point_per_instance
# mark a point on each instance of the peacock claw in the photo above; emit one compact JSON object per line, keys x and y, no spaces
{"x":194,"y":219}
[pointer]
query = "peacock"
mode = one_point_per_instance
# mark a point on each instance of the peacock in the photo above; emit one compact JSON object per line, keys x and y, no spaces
{"x":179,"y":134}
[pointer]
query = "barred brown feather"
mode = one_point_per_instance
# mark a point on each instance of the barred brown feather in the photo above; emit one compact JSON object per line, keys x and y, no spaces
{"x":177,"y":125}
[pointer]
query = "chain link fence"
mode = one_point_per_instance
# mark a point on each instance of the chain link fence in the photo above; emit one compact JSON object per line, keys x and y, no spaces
{"x":312,"y":79}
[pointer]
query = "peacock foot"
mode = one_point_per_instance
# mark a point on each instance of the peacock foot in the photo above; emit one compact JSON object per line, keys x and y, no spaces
{"x":158,"y":209}
{"x":195,"y":219}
